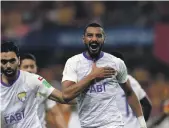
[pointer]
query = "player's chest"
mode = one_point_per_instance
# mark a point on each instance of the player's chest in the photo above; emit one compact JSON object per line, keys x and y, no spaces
{"x":16,"y":96}
{"x":85,"y":67}
{"x":107,"y":86}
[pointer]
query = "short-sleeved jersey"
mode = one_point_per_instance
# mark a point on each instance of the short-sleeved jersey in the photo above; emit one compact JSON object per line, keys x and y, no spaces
{"x":18,"y":101}
{"x":129,"y":117}
{"x":43,"y":106}
{"x":97,"y":104}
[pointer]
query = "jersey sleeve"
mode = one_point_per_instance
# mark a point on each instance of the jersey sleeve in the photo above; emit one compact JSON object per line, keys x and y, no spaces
{"x":50,"y":104}
{"x":140,"y":93}
{"x":44,"y":88}
{"x":69,"y":72}
{"x":122,"y":72}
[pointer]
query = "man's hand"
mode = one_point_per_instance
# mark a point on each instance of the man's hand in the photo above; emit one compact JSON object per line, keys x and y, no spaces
{"x":102,"y":72}
{"x":72,"y":89}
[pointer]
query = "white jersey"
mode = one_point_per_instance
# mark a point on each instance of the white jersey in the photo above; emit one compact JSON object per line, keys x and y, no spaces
{"x":97,"y":104}
{"x":129,"y":117}
{"x":74,"y":120}
{"x":18,"y":101}
{"x":44,"y":104}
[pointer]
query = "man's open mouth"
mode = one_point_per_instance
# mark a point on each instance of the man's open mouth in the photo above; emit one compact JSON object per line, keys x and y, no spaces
{"x":9,"y":71}
{"x":94,"y":47}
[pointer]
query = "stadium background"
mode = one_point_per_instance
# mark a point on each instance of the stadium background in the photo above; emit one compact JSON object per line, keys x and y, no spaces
{"x":52,"y":31}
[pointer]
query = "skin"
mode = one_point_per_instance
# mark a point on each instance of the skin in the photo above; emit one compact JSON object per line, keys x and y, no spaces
{"x":29,"y":65}
{"x":72,"y":89}
{"x":9,"y":60}
{"x":93,"y":34}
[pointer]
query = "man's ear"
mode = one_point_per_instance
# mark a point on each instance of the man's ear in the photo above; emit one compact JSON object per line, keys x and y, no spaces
{"x":104,"y":38}
{"x":19,"y":61}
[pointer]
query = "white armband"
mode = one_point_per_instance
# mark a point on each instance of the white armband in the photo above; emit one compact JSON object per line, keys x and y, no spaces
{"x":142,"y":122}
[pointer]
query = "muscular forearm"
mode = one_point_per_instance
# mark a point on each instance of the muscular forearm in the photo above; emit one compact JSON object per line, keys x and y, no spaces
{"x":74,"y":90}
{"x":57,"y":99}
{"x":135,"y":104}
{"x":61,"y":100}
{"x":136,"y":107}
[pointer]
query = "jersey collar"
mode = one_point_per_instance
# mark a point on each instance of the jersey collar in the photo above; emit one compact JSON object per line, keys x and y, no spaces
{"x":101,"y":55}
{"x":6,"y":85}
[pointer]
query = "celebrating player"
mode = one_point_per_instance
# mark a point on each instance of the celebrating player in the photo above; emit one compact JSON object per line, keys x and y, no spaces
{"x":18,"y":91}
{"x":93,"y":77}
{"x":28,"y":63}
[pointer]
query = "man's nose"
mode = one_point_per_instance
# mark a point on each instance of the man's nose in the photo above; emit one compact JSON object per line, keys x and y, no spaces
{"x":8,"y":65}
{"x":94,"y":38}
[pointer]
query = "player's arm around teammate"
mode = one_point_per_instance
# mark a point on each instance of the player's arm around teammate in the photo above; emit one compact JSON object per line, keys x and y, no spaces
{"x":48,"y":91}
{"x":28,"y":63}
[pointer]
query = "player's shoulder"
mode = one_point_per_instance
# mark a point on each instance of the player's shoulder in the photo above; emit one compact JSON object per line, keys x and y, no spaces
{"x":75,"y":58}
{"x":134,"y":82}
{"x":29,"y":76}
{"x":113,"y":58}
{"x":131,"y":78}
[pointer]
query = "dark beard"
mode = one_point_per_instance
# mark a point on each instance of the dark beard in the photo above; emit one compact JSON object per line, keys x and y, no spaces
{"x":93,"y":55}
{"x":6,"y":73}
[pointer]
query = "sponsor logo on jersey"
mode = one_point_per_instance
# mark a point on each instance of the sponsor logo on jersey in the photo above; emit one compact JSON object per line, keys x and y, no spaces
{"x":46,"y":84}
{"x":97,"y":88}
{"x":39,"y":94}
{"x":13,"y":118}
{"x":22,"y":96}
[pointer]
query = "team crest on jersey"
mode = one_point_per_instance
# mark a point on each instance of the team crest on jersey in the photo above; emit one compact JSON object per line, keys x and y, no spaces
{"x":39,"y":94}
{"x":22,"y":96}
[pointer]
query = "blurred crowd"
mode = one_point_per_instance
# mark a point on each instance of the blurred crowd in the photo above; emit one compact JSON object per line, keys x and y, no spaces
{"x":19,"y":18}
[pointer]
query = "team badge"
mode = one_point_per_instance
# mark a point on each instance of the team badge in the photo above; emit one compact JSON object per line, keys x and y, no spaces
{"x":22,"y":96}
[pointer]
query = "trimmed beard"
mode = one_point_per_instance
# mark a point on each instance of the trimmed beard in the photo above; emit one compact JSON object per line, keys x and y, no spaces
{"x":94,"y":55}
{"x":9,"y":75}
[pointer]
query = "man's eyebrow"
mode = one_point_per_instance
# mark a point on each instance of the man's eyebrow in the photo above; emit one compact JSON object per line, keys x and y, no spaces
{"x":8,"y":59}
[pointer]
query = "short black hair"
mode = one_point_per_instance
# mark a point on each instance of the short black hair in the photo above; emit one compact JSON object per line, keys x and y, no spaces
{"x":27,"y":56}
{"x":92,"y":25}
{"x":118,"y":55}
{"x":9,"y":46}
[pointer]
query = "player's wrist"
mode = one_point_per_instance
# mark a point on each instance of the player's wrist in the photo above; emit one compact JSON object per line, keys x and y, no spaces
{"x":142,"y":121}
{"x":91,"y":77}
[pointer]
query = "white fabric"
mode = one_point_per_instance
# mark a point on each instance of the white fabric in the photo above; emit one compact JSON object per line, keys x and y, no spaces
{"x":43,"y":106}
{"x":97,"y":104}
{"x":129,"y":118}
{"x":137,"y":88}
{"x":18,"y":101}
